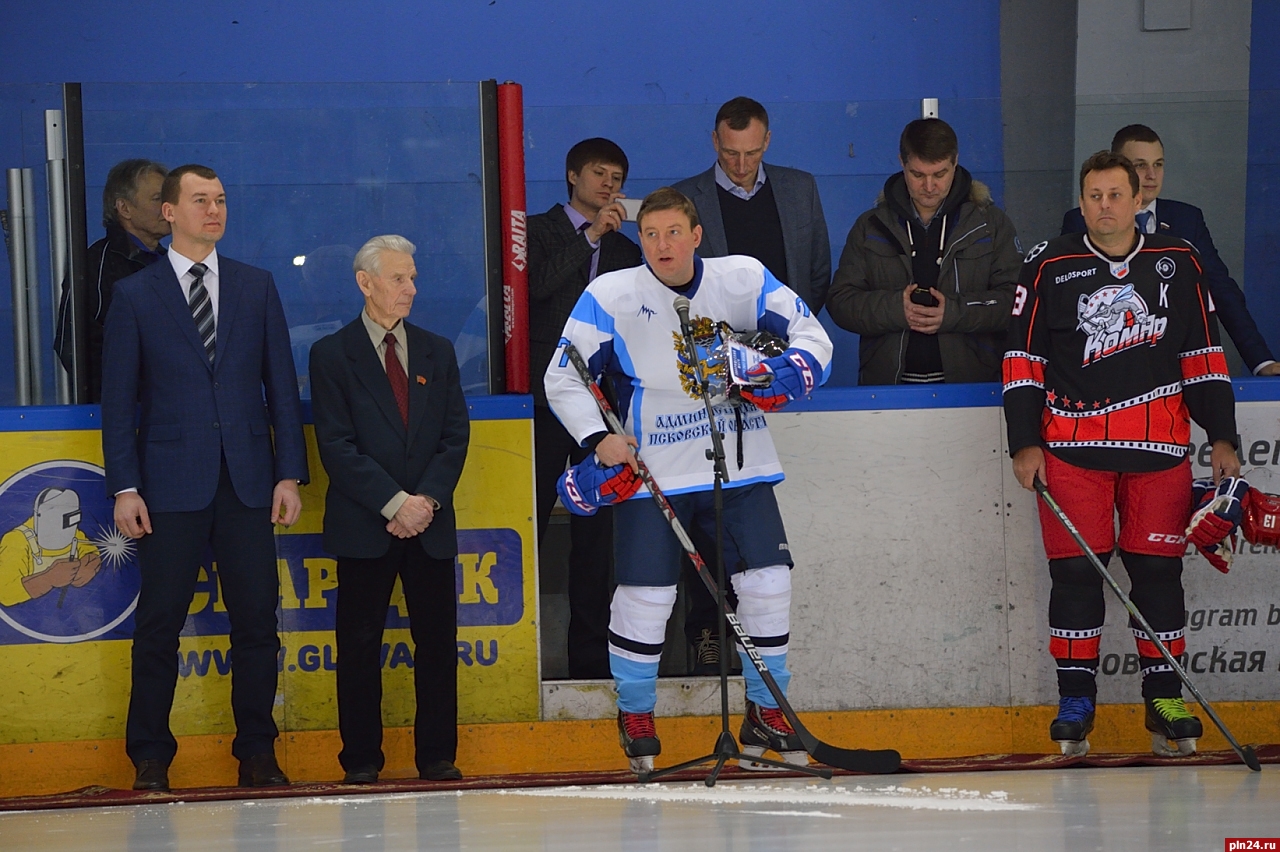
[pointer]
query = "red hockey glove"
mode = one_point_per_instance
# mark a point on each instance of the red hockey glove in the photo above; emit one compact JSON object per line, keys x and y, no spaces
{"x":1216,"y":519}
{"x":1261,"y":524}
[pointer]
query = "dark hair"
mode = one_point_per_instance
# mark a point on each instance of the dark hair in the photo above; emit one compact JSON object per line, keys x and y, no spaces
{"x":738,"y":113}
{"x":1134,"y":133}
{"x":173,"y":182}
{"x":930,"y":139}
{"x":667,"y":198}
{"x":1105,"y":161}
{"x":122,"y":183}
{"x":594,"y":150}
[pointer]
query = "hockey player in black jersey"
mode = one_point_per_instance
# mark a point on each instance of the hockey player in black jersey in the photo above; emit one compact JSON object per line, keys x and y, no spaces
{"x":1112,"y":351}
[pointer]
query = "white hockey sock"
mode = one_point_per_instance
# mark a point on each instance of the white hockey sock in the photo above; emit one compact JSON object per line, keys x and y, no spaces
{"x":764,"y":608}
{"x":637,"y":626}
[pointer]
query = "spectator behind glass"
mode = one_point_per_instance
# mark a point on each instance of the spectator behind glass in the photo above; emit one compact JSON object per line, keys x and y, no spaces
{"x":569,"y":246}
{"x":131,"y":215}
{"x":1142,"y":147}
{"x":935,"y":230}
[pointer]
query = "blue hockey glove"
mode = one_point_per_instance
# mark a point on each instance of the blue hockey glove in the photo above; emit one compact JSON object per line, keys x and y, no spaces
{"x":781,"y":379}
{"x":1218,"y":512}
{"x":588,"y":485}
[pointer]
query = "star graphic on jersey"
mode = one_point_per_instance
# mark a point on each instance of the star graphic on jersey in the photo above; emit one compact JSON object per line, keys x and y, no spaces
{"x":1051,"y":396}
{"x":1066,"y":403}
{"x":1107,"y":401}
{"x":1080,"y":404}
{"x":1097,"y":404}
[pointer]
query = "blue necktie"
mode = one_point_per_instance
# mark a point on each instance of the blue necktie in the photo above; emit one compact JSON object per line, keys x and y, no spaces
{"x":1144,"y":220}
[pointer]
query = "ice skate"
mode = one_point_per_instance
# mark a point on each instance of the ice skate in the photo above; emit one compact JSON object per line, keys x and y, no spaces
{"x":639,"y":740}
{"x":1174,"y":730}
{"x":1071,"y":729}
{"x":768,"y":728}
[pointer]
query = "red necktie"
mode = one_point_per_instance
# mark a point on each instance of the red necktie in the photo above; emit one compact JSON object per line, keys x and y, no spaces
{"x":396,"y":375}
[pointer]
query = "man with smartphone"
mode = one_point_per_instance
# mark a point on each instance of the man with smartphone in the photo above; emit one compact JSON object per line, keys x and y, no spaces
{"x":927,"y":275}
{"x":569,"y":246}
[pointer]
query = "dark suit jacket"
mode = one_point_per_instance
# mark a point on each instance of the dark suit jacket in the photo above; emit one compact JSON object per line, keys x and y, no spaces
{"x":366,"y":449}
{"x":194,"y":413}
{"x":804,"y":228}
{"x":559,"y":265}
{"x":1176,"y":219}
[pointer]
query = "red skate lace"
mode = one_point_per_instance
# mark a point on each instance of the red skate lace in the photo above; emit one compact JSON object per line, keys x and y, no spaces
{"x":774,"y":718}
{"x":639,"y":725}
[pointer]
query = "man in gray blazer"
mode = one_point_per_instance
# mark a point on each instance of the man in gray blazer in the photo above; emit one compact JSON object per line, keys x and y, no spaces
{"x":773,"y":214}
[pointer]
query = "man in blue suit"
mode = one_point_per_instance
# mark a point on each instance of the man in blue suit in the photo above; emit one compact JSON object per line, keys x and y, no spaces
{"x":1142,"y":147}
{"x":198,"y":379}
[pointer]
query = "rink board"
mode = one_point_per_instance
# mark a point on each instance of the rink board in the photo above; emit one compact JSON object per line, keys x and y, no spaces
{"x":65,"y":658}
{"x":921,"y":580}
{"x":920,"y":600}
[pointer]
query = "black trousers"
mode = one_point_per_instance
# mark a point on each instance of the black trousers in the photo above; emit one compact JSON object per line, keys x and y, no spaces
{"x":590,"y":554}
{"x":364,"y":594}
{"x":169,"y":558}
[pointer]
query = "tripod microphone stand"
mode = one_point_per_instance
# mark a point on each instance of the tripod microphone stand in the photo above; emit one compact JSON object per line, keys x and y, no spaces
{"x":726,"y":746}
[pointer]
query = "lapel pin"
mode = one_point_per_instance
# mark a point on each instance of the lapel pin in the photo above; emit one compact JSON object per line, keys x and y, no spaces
{"x":421,"y":380}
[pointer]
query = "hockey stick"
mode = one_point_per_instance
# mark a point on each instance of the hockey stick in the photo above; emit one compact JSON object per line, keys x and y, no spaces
{"x":1246,"y":752}
{"x":881,"y":762}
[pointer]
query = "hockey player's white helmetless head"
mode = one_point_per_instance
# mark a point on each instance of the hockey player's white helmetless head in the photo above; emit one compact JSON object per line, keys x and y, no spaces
{"x":57,"y":517}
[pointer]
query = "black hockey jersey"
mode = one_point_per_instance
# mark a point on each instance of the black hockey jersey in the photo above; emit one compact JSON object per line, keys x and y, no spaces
{"x":1109,"y":358}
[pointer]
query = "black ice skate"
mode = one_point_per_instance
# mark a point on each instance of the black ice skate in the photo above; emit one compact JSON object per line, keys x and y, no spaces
{"x":768,"y":728}
{"x":639,"y":740}
{"x":1174,"y":730}
{"x":1071,"y":729}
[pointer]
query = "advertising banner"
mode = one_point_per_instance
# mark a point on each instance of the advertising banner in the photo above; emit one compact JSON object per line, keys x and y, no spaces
{"x":69,"y":584}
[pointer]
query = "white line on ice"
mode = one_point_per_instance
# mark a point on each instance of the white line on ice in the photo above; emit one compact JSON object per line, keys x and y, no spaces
{"x":890,"y":796}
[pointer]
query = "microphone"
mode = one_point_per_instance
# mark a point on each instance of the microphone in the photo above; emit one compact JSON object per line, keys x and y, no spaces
{"x":681,"y":304}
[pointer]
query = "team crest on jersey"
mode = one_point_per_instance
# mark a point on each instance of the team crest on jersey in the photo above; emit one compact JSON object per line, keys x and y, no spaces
{"x":1116,"y":318}
{"x":707,"y":342}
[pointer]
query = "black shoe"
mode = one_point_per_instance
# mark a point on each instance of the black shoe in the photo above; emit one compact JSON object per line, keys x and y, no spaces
{"x":261,"y":770}
{"x":361,"y":775}
{"x":440,"y":770}
{"x":152,"y":775}
{"x":706,"y":653}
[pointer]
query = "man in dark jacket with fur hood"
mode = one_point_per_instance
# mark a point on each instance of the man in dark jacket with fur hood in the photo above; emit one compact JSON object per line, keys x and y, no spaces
{"x":927,"y":276}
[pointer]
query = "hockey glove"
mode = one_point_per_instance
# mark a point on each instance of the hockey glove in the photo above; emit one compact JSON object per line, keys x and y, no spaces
{"x":1216,"y":519}
{"x":1261,"y":524}
{"x":588,"y":485}
{"x":778,"y":380}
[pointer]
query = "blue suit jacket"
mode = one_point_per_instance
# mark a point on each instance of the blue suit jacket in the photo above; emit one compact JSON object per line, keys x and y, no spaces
{"x":193,"y":413}
{"x":804,"y":228}
{"x":1176,"y":219}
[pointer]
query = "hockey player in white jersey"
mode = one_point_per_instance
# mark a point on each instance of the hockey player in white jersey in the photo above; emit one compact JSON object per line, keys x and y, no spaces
{"x":626,"y":327}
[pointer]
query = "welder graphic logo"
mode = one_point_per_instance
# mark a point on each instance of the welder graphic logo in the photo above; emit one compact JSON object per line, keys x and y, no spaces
{"x":67,"y":574}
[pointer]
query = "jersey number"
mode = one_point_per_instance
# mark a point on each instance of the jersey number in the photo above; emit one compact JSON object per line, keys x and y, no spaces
{"x":1019,"y":300}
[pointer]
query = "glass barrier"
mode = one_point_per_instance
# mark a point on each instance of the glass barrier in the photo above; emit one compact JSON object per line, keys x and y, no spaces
{"x":314,"y":170}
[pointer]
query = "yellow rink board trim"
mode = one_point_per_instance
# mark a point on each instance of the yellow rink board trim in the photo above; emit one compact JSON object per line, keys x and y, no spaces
{"x":586,"y":746}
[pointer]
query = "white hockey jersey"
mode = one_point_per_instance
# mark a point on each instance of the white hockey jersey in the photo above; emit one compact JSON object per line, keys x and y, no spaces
{"x":625,"y":325}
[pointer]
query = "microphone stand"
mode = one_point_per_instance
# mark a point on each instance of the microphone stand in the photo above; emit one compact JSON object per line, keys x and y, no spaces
{"x":726,"y":747}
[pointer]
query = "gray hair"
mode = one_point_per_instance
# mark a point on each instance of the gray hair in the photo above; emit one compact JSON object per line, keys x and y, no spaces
{"x":122,"y":184}
{"x":369,"y":258}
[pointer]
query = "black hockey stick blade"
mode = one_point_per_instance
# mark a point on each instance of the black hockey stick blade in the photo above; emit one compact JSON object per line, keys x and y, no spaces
{"x":873,"y":762}
{"x":880,"y":762}
{"x":1246,"y":753}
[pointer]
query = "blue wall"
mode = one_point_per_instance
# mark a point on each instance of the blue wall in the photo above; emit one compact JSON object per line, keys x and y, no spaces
{"x":840,"y":78}
{"x":1262,"y":205}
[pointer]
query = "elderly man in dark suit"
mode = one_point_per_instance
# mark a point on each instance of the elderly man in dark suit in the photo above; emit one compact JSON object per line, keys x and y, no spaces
{"x":199,"y":342}
{"x":1143,"y":148}
{"x":569,"y":246}
{"x":773,"y":215}
{"x":392,"y":428}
